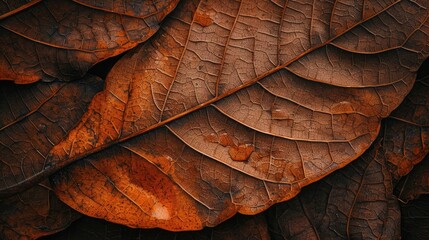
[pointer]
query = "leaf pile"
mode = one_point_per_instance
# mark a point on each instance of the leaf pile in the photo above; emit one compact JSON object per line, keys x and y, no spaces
{"x":230,"y":107}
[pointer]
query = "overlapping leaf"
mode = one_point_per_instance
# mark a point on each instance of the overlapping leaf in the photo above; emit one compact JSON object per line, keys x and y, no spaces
{"x":62,"y":39}
{"x":34,"y":118}
{"x":355,"y":202}
{"x":406,"y":132}
{"x":416,"y":183}
{"x":33,"y":213}
{"x":253,"y":99}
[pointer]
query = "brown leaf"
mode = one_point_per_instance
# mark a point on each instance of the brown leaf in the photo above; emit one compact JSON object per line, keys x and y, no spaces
{"x":34,"y":213}
{"x":63,"y":39}
{"x":406,"y":131}
{"x":254,"y":99}
{"x":34,"y":118}
{"x":355,"y":202}
{"x":254,"y":104}
{"x":237,"y":228}
{"x":415,"y":183}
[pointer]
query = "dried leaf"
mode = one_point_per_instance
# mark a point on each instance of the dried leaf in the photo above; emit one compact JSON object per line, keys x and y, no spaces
{"x":34,"y":213}
{"x":239,"y":227}
{"x":34,"y":118}
{"x":414,"y":184}
{"x":256,"y":104}
{"x":406,"y":131}
{"x":355,"y":202}
{"x":253,"y":99}
{"x":63,"y":39}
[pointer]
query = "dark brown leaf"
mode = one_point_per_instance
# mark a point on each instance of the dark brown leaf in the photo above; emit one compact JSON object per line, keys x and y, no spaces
{"x":10,"y":7}
{"x":415,"y":219}
{"x":34,"y":118}
{"x":406,"y":130}
{"x":415,"y":183}
{"x":355,"y":202}
{"x":63,"y":38}
{"x":238,"y":228}
{"x":253,"y":99}
{"x":34,"y":213}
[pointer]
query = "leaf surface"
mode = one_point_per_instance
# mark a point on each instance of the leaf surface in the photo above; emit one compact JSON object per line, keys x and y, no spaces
{"x":253,"y":99}
{"x":34,"y":118}
{"x":62,"y":39}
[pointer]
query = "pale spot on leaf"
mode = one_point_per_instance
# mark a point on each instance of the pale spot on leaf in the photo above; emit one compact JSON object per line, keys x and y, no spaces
{"x":160,"y":212}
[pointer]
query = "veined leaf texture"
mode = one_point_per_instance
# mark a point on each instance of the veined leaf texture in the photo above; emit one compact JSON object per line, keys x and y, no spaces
{"x":51,"y":39}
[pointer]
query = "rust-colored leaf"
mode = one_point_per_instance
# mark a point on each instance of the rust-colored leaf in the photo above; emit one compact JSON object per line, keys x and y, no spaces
{"x":264,"y":99}
{"x":406,"y":131}
{"x":355,"y":202}
{"x":237,"y":228}
{"x":34,"y":118}
{"x":63,"y":38}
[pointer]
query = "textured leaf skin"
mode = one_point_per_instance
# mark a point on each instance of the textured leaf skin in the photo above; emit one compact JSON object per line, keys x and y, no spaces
{"x":237,"y":228}
{"x":355,"y":202}
{"x":34,"y":118}
{"x":254,"y":121}
{"x":62,"y":39}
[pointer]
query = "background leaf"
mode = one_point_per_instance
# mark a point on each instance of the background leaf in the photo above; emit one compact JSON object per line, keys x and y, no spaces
{"x":34,"y":118}
{"x":414,"y":184}
{"x":415,"y":218}
{"x":355,"y":202}
{"x":63,"y":39}
{"x":406,"y":131}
